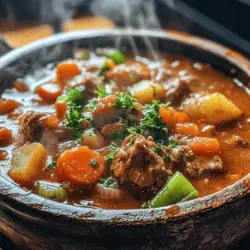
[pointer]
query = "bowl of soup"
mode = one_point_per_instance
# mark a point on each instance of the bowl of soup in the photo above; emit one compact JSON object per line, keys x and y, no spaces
{"x":124,"y":139}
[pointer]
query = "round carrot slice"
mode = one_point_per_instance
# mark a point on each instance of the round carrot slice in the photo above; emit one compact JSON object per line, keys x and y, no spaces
{"x":80,"y":165}
{"x":49,"y":91}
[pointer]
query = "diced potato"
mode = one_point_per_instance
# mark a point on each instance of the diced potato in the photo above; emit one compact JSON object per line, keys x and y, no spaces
{"x":214,"y":108}
{"x":93,"y":140}
{"x":146,"y":91}
{"x":27,"y":162}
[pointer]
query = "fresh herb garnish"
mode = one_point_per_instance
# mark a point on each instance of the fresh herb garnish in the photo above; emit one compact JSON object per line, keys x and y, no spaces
{"x":111,"y":155}
{"x":51,"y":165}
{"x":129,"y":128}
{"x":72,"y":95}
{"x":157,"y":149}
{"x":92,"y":104}
{"x":101,"y":91}
{"x":93,"y":163}
{"x":74,"y":119}
{"x":145,"y":204}
{"x":125,"y":100}
{"x":152,"y":124}
{"x":155,"y":91}
{"x":109,"y":182}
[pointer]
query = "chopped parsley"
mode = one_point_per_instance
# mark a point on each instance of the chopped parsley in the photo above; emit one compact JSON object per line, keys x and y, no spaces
{"x":129,"y":128}
{"x":74,"y":119}
{"x":101,"y":91}
{"x":109,"y":182}
{"x":93,"y":163}
{"x":91,"y":104}
{"x":152,"y":124}
{"x":51,"y":165}
{"x":111,"y":155}
{"x":125,"y":100}
{"x":157,"y":149}
{"x":73,"y":95}
{"x":145,"y":204}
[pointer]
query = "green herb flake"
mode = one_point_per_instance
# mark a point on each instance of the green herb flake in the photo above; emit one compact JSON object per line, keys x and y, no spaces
{"x":152,"y":124}
{"x":125,"y":100}
{"x":109,"y":182}
{"x":155,"y":91}
{"x":73,"y":95}
{"x":74,"y":119}
{"x":92,"y":104}
{"x":157,"y":149}
{"x":101,"y":91}
{"x":93,"y":163}
{"x":51,"y":165}
{"x":111,"y":155}
{"x":145,"y":204}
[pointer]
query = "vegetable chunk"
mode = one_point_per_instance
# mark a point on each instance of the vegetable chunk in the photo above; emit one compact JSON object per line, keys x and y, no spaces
{"x":146,"y":91}
{"x":80,"y":165}
{"x":27,"y":162}
{"x":214,"y":108}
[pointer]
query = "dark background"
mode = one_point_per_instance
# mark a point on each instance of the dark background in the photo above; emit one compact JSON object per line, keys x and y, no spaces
{"x":225,"y":21}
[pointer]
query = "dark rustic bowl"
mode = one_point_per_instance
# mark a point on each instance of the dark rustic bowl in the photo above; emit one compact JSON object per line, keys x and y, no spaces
{"x":211,"y":222}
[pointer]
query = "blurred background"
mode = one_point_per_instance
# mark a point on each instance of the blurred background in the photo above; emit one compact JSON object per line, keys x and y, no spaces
{"x":224,"y":21}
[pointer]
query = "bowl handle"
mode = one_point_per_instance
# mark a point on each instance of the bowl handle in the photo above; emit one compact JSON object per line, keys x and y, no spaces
{"x":4,"y":47}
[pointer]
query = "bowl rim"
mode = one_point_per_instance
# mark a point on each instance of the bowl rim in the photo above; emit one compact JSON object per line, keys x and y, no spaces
{"x":232,"y":193}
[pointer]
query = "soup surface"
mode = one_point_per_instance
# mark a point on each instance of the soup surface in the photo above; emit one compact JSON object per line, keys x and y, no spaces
{"x":105,"y":130}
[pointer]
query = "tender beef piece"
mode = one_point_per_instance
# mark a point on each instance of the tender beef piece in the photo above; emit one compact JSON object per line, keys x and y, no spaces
{"x":192,"y":164}
{"x":31,"y":129}
{"x":201,"y":165}
{"x":128,"y":74}
{"x":104,"y":112}
{"x":87,"y":84}
{"x":136,"y":162}
{"x":112,"y":128}
{"x":175,"y":89}
{"x":180,"y":155}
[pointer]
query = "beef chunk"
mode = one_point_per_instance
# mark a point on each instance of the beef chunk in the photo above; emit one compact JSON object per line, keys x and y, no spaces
{"x":30,"y":126}
{"x":192,"y":164}
{"x":175,"y":89}
{"x":104,"y":112}
{"x":200,"y":165}
{"x":112,"y":128}
{"x":31,"y":129}
{"x":137,"y":163}
{"x":128,"y":74}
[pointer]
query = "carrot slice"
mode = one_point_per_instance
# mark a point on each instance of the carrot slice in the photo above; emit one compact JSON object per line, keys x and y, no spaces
{"x":5,"y":135}
{"x":49,"y":91}
{"x":7,"y":106}
{"x":21,"y":86}
{"x":61,"y":108}
{"x":80,"y":165}
{"x":204,"y":145}
{"x":167,"y":117}
{"x":187,"y":129}
{"x":179,"y":116}
{"x":51,"y":121}
{"x":67,"y":69}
